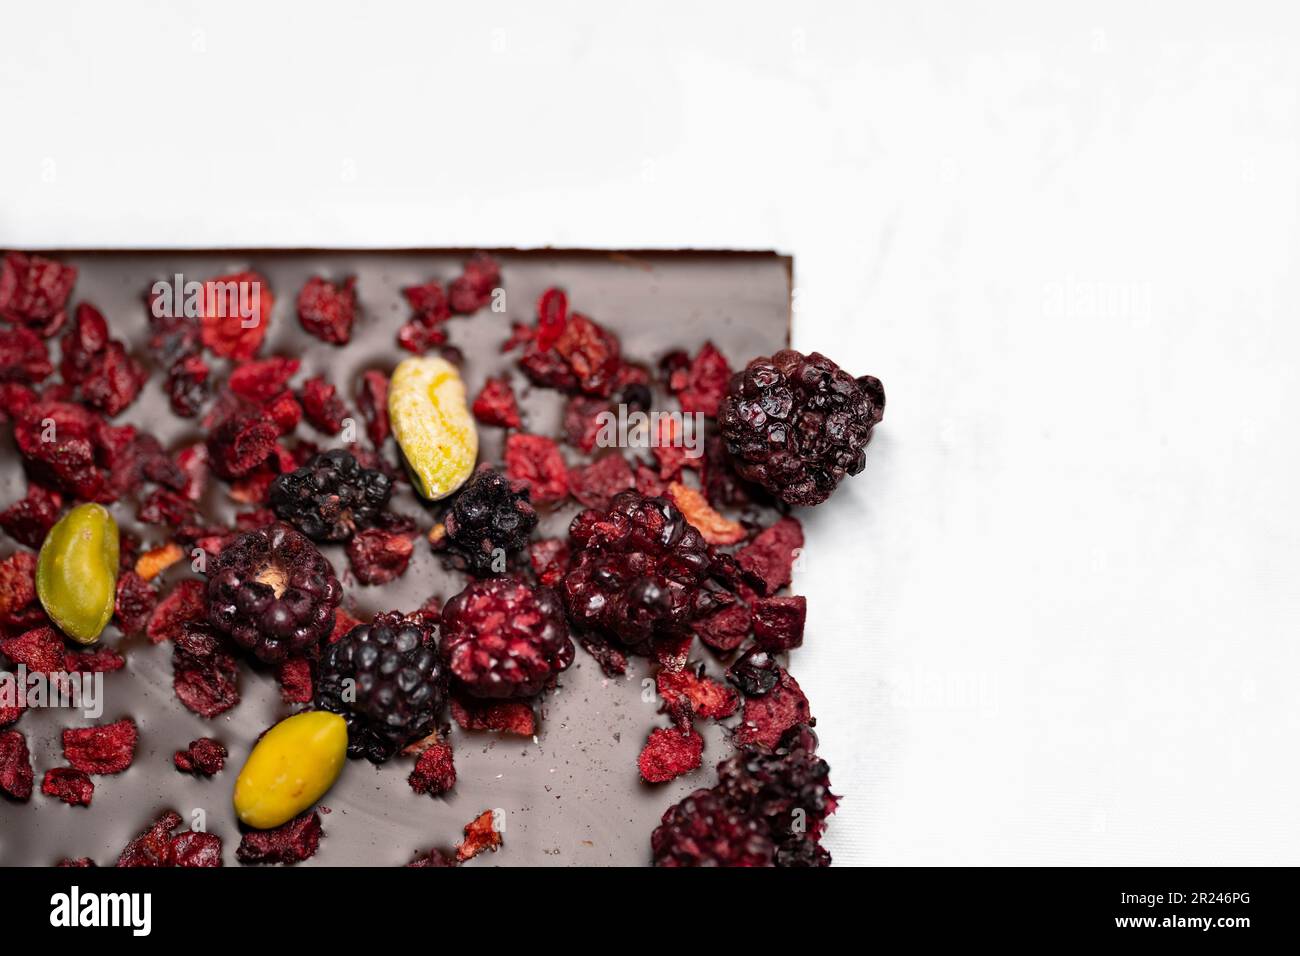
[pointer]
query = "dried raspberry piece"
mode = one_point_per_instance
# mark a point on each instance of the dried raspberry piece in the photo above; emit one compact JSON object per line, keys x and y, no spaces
{"x":434,"y":772}
{"x":226,"y":330}
{"x":34,"y":289}
{"x":506,"y":716}
{"x":419,"y":338}
{"x":372,"y":399}
{"x":39,"y":650}
{"x":29,"y":520}
{"x":196,"y":848}
{"x":378,"y":557}
{"x":58,"y":441}
{"x":114,"y":381}
{"x":205,"y":676}
{"x":472,"y":289}
{"x":766,"y":718}
{"x":83,"y":343}
{"x":327,"y":311}
{"x":187,"y":386}
{"x":284,"y":410}
{"x":429,"y":303}
{"x":14,"y":398}
{"x":669,"y":753}
{"x":183,"y":604}
{"x":770,"y":556}
{"x":702,"y":696}
{"x":292,"y":842}
{"x":496,"y":405}
{"x":549,"y":558}
{"x":15,"y":766}
{"x":136,"y":599}
{"x":71,"y":786}
{"x":537,"y":462}
{"x":153,"y":847}
{"x":592,"y":353}
{"x":23,"y":356}
{"x":702,"y":385}
{"x":205,"y":757}
{"x":724,"y":630}
{"x":480,"y":834}
{"x":714,"y":527}
{"x":294,"y":677}
{"x":583,"y":421}
{"x":779,"y":622}
{"x":107,"y":749}
{"x":261,"y":380}
{"x":102,"y":660}
{"x":322,"y":406}
{"x":167,"y":508}
{"x":20,"y":609}
{"x":241,"y":443}
{"x":595,"y":485}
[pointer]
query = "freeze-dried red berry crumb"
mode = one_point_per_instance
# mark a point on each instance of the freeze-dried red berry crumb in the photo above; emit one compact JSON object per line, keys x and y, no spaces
{"x":480,"y":834}
{"x":507,"y":716}
{"x":779,"y":622}
{"x":28,"y":520}
{"x":702,"y":385}
{"x":372,"y":398}
{"x":322,"y":407}
{"x":496,"y":404}
{"x":584,"y":421}
{"x":327,"y":311}
{"x":241,"y":443}
{"x":183,"y":604}
{"x":226,"y":330}
{"x":157,"y":846}
{"x":39,"y":650}
{"x":70,"y":785}
{"x":293,"y":842}
{"x":204,"y":757}
{"x":472,"y":289}
{"x":434,"y":772}
{"x":196,"y":848}
{"x":549,"y":558}
{"x":703,"y":696}
{"x":262,"y":380}
{"x":595,"y":485}
{"x":19,"y":607}
{"x":552,"y":316}
{"x":714,"y":527}
{"x":669,"y":753}
{"x":294,"y":677}
{"x":205,"y":676}
{"x":766,"y":718}
{"x":80,"y":862}
{"x":15,"y":766}
{"x":536,"y":461}
{"x":724,"y":630}
{"x":378,"y":557}
{"x":34,"y":289}
{"x":107,"y":749}
{"x":136,"y":599}
{"x":434,"y":858}
{"x":101,"y":660}
{"x":770,"y":556}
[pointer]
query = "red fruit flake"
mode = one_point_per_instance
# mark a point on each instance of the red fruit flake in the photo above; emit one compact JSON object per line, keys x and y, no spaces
{"x":102,"y":660}
{"x":23,"y":356}
{"x":373,"y":401}
{"x":592,"y":353}
{"x":419,"y":338}
{"x":582,"y":421}
{"x":702,"y":695}
{"x":262,"y":380}
{"x":595,"y":484}
{"x":672,"y":650}
{"x":167,"y":508}
{"x":496,"y":405}
{"x":724,"y":630}
{"x":205,"y":757}
{"x":766,"y":718}
{"x":702,"y":385}
{"x":187,"y":385}
{"x":377,"y":556}
{"x":779,"y":622}
{"x":549,"y":559}
{"x":322,"y":406}
{"x":507,"y":716}
{"x":225,"y":331}
{"x":292,"y":842}
{"x":669,"y":753}
{"x":33,"y":289}
{"x":9,"y":715}
{"x":71,"y":786}
{"x":184,"y":603}
{"x":157,"y":846}
{"x":472,"y":289}
{"x":82,"y":343}
{"x":285,"y":411}
{"x":39,"y":650}
{"x":19,"y":607}
{"x":327,"y":311}
{"x":769,"y":558}
{"x":14,"y":398}
{"x":136,"y":599}
{"x":59,"y":441}
{"x":241,"y":443}
{"x":714,"y":527}
{"x":671,"y":451}
{"x":343,"y":622}
{"x":537,"y":462}
{"x":204,"y":676}
{"x":648,"y":481}
{"x":294,"y":677}
{"x":612,"y":661}
{"x":15,"y":766}
{"x":194,"y":848}
{"x":114,"y":381}
{"x":428,"y":302}
{"x":107,"y":749}
{"x":434,"y":772}
{"x":552,"y":317}
{"x":480,"y":834}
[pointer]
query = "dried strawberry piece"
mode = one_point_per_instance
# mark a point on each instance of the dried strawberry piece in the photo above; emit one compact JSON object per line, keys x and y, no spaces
{"x":507,"y":716}
{"x":536,"y":461}
{"x":472,"y":289}
{"x":183,"y":604}
{"x":19,"y":607}
{"x":552,"y":317}
{"x":327,"y":311}
{"x":15,"y":766}
{"x":285,"y":411}
{"x":779,"y":622}
{"x":34,"y":289}
{"x":434,"y":772}
{"x":102,"y":660}
{"x":496,"y":405}
{"x":70,"y":785}
{"x":377,"y":556}
{"x":196,"y":848}
{"x":292,"y":842}
{"x":39,"y":650}
{"x":770,"y":556}
{"x":419,"y":338}
{"x":29,"y":520}
{"x":205,"y":757}
{"x":23,"y":356}
{"x":187,"y":386}
{"x":701,"y":695}
{"x":766,"y":718}
{"x":373,"y":402}
{"x":549,"y":559}
{"x":205,"y":677}
{"x":262,"y":380}
{"x":702,"y":385}
{"x":592,"y":353}
{"x":114,"y":381}
{"x":583,"y":422}
{"x":153,"y":847}
{"x":136,"y":598}
{"x":322,"y":407}
{"x":294,"y":676}
{"x":595,"y":484}
{"x":714,"y":527}
{"x":107,"y":749}
{"x":724,"y":630}
{"x":669,"y":753}
{"x":225,"y":330}
{"x":480,"y":834}
{"x":241,"y":443}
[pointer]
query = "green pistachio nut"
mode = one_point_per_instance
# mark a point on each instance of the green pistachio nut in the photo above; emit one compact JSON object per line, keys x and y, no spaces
{"x":76,"y":574}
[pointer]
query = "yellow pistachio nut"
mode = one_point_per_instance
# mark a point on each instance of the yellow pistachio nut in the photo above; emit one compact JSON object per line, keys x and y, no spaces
{"x":432,"y":424}
{"x":76,"y":573}
{"x":290,"y":768}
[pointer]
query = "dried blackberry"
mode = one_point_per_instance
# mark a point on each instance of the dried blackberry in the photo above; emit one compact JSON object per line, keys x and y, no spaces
{"x":637,"y":569}
{"x":273,"y":593}
{"x":754,"y":673}
{"x":388,"y":682}
{"x":331,"y":497}
{"x":502,"y":638}
{"x":490,"y":519}
{"x":706,"y":830}
{"x":797,"y":424}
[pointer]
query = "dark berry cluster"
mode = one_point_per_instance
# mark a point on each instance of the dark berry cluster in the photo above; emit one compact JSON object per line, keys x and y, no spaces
{"x":490,"y":519}
{"x":331,"y":497}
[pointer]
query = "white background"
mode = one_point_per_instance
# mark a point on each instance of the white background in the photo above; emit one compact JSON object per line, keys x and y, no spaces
{"x":1055,"y":619}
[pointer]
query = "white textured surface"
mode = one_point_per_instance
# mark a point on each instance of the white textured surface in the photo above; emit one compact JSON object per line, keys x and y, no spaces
{"x":1055,"y":620}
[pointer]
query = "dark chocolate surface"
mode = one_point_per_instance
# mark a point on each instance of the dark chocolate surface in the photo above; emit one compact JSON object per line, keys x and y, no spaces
{"x":571,"y":796}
